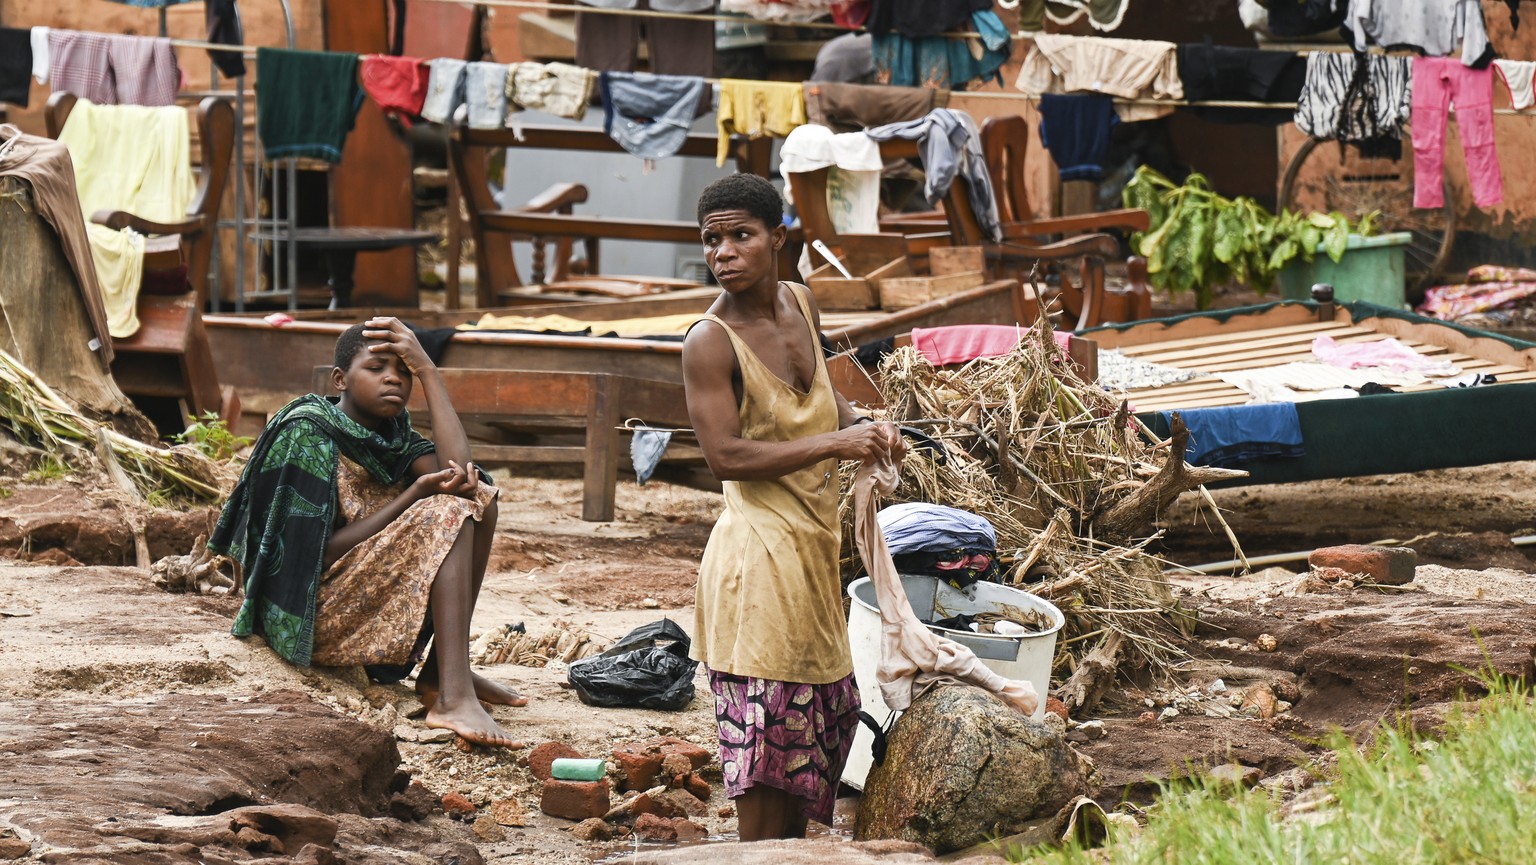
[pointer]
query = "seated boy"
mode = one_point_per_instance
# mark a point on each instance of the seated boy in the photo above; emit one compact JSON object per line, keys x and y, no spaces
{"x":352,"y":528}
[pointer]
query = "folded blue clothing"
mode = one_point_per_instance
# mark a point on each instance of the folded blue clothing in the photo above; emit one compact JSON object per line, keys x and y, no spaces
{"x":1231,"y":435}
{"x":914,"y":527}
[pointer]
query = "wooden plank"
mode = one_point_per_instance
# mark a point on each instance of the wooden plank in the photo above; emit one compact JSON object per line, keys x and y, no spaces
{"x":607,"y":227}
{"x":1180,"y":357}
{"x":1315,"y":327}
{"x":602,"y":458}
{"x":1194,"y":328}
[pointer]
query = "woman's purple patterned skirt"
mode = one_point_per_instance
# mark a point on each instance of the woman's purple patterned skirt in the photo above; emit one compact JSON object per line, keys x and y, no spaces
{"x":787,"y":735}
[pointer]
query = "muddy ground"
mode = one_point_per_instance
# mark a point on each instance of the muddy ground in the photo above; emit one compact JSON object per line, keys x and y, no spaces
{"x":133,"y":728}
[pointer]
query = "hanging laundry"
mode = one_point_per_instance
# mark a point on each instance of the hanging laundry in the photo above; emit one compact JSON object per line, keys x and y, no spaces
{"x":1076,"y":129}
{"x":783,"y":11}
{"x":40,"y":56}
{"x":1128,"y":68}
{"x":942,"y":62}
{"x":852,"y":160}
{"x":554,"y":88}
{"x":1104,"y":15}
{"x":1294,"y":18}
{"x":918,"y":19}
{"x":1359,"y":101}
{"x":849,"y":58}
{"x":757,"y":109}
{"x":1223,"y":73}
{"x":445,"y":89}
{"x":611,"y":43}
{"x":949,"y":147}
{"x":113,"y":70}
{"x":853,"y":107}
{"x":306,"y":102}
{"x":15,"y":66}
{"x":485,"y":94}
{"x":1232,"y":435}
{"x":133,"y":158}
{"x":1518,"y":76}
{"x":1435,"y":27}
{"x":1439,"y":83}
{"x":649,"y":115}
{"x":646,"y":448}
{"x":851,"y":13}
{"x":398,"y":85}
{"x":223,"y":23}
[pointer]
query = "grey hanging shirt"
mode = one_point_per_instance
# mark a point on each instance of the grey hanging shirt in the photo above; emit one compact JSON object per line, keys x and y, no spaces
{"x":1435,"y":26}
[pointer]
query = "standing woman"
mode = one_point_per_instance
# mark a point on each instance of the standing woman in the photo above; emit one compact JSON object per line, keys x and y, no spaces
{"x":769,"y":623}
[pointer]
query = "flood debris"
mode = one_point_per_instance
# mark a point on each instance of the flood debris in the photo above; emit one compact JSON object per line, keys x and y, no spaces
{"x":200,"y":572}
{"x":512,"y":644}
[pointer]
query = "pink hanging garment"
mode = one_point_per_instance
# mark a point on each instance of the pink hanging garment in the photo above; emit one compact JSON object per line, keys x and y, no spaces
{"x":913,"y":658}
{"x":1439,"y":83}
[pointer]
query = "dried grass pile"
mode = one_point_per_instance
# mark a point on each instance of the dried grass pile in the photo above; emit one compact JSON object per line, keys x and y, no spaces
{"x":1072,"y":487}
{"x":510,"y":644}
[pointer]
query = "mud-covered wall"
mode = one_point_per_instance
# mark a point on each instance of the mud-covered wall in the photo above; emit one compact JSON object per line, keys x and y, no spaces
{"x":1504,"y":234}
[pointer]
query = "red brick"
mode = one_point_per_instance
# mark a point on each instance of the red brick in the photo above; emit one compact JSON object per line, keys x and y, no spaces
{"x":674,"y":767}
{"x":654,"y":828}
{"x":697,"y":755}
{"x":1057,"y":708}
{"x":543,"y":756}
{"x":574,"y":800}
{"x":1387,"y":566}
{"x":457,"y":806}
{"x":697,"y":786}
{"x":656,"y":805}
{"x":638,"y":765}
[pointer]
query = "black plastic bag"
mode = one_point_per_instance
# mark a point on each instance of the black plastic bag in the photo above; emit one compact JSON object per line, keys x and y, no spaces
{"x":638,"y":673}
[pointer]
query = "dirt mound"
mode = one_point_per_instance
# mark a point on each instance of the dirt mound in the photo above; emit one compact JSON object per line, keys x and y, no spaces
{"x":160,"y":779}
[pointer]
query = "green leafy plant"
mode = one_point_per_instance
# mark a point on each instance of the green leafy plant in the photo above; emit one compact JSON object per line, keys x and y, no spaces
{"x":1199,"y":239}
{"x":49,"y":468}
{"x":211,"y":435}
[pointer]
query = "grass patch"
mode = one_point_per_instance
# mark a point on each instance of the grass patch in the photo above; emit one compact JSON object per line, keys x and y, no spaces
{"x":49,"y":468}
{"x":1404,"y":800}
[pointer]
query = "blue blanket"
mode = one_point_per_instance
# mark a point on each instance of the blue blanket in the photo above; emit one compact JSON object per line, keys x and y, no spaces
{"x":1232,"y":435}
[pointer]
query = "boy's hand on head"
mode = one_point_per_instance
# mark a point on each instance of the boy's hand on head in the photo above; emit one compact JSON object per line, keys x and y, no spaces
{"x":390,"y":334}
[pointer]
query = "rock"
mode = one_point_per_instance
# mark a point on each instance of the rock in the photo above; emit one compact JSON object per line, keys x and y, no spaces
{"x":650,"y":603}
{"x":543,"y":756}
{"x":435,"y":736}
{"x":1057,"y":708}
{"x":12,"y":847}
{"x":457,"y":806}
{"x":592,"y":829}
{"x":508,"y":812}
{"x":641,"y":762}
{"x":1087,"y":731}
{"x":487,"y":829}
{"x":415,"y":802}
{"x":962,"y":767}
{"x":725,"y":812}
{"x":1267,"y":643}
{"x":574,"y":800}
{"x":314,"y":854}
{"x":1236,"y":774}
{"x":800,"y":851}
{"x":1168,"y":714}
{"x":1386,"y":566}
{"x":1262,"y":698}
{"x":674,"y":767}
{"x":1148,"y":717}
{"x":653,"y":828}
{"x":697,"y":786}
{"x":686,"y":802}
{"x":654,"y":801}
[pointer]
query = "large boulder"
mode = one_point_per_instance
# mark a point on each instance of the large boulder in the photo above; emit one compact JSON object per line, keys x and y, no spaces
{"x":962,"y":767}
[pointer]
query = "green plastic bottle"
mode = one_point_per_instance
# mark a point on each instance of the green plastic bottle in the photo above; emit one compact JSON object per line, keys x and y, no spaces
{"x":571,"y":769}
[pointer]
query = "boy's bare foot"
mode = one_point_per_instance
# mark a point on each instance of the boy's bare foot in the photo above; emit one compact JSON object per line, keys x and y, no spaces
{"x":486,"y":691}
{"x":473,"y":724}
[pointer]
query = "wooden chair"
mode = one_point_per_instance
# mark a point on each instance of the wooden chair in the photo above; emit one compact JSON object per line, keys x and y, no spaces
{"x":169,"y":359}
{"x":1005,"y":143}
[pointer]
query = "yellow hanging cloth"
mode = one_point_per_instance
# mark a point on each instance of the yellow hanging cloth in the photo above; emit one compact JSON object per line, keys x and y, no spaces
{"x":757,"y":108}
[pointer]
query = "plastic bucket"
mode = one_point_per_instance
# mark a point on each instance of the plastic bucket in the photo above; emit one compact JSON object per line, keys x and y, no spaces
{"x":1027,"y":658}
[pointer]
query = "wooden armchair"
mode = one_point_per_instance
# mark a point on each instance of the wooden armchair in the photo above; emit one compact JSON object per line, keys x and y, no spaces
{"x":167,"y":365}
{"x":1005,"y":142}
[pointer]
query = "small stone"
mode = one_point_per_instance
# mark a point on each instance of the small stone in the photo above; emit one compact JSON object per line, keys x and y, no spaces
{"x":559,"y":598}
{"x":1262,"y":698}
{"x":654,"y":828}
{"x":509,"y":812}
{"x":1236,"y":774}
{"x":675,"y":766}
{"x":1281,"y":707}
{"x":1168,"y":714}
{"x":1413,"y":671}
{"x":1386,"y":566}
{"x":1217,"y":687}
{"x":650,"y":603}
{"x":727,"y":811}
{"x":1267,"y":643}
{"x":14,"y":848}
{"x":455,"y":805}
{"x":487,"y":829}
{"x":687,"y":830}
{"x":697,"y":786}
{"x":1093,"y":729}
{"x":686,"y":803}
{"x":1147,"y":718}
{"x":463,"y":745}
{"x":592,"y":829}
{"x":434,"y":736}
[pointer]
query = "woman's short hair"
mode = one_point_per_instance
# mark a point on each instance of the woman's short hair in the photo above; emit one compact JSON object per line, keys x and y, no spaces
{"x":747,"y":192}
{"x":348,"y":345}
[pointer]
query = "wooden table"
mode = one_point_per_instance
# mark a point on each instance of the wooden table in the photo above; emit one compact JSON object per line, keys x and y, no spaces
{"x":341,"y":246}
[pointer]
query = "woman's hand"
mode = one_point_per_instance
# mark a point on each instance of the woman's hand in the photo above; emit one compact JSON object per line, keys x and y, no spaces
{"x":391,"y":334}
{"x":452,"y":481}
{"x":869,"y":442}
